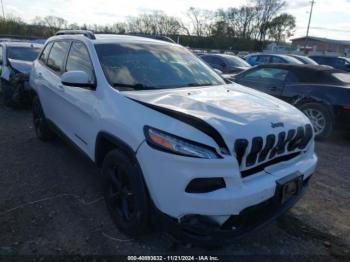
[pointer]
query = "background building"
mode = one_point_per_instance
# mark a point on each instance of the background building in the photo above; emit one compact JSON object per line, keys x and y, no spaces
{"x":318,"y":45}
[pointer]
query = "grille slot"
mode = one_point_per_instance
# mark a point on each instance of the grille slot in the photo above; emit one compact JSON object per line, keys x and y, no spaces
{"x":240,"y":148}
{"x":275,"y":149}
{"x":255,"y":150}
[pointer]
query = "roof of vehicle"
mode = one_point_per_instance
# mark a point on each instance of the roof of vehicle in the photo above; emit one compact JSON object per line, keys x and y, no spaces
{"x":112,"y":38}
{"x":276,"y":55}
{"x":21,"y":44}
{"x":330,"y":56}
{"x":306,"y":72}
{"x":222,"y":55}
{"x":300,"y":67}
{"x":301,"y":56}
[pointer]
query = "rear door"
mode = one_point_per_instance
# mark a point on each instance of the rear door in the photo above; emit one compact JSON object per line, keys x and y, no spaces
{"x":268,"y":80}
{"x":51,"y":91}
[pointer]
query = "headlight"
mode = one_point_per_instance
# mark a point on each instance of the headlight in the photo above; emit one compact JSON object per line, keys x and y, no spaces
{"x":167,"y":142}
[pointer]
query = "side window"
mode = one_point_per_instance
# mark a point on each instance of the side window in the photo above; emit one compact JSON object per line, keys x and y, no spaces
{"x":214,"y":62}
{"x":253,"y":58}
{"x":208,"y":59}
{"x":267,"y":74}
{"x":218,"y":63}
{"x":263,"y":59}
{"x":44,"y":55}
{"x":79,"y":59}
{"x":339,"y":62}
{"x":57,"y":56}
{"x":277,"y":60}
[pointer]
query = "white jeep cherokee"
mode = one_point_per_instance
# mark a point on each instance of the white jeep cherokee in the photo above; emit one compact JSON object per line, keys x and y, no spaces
{"x":179,"y":148}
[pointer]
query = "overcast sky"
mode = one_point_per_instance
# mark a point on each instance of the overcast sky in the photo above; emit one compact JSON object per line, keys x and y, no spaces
{"x":331,"y":17}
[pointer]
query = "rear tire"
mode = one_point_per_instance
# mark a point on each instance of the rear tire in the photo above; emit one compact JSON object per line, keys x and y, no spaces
{"x":41,"y":126}
{"x":125,"y":194}
{"x":321,"y":118}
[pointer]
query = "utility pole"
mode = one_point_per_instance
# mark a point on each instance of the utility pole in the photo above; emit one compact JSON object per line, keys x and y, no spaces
{"x":3,"y":11}
{"x":308,"y":25}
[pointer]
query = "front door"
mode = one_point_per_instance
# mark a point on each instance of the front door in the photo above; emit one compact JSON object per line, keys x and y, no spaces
{"x":80,"y":102}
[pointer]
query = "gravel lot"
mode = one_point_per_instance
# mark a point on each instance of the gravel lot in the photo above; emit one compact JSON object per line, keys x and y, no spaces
{"x":51,"y":204}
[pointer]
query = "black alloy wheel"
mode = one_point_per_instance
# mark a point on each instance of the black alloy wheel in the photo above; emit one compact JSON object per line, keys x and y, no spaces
{"x":125,"y":193}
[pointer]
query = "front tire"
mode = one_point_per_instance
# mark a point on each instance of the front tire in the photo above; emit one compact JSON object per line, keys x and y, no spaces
{"x":125,"y":194}
{"x":42,"y":129}
{"x":320,"y":117}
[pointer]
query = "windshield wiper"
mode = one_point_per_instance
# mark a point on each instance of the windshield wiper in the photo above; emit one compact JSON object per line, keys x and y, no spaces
{"x":137,"y":86}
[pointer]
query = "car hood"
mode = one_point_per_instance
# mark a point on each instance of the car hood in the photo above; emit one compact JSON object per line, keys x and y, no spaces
{"x":21,"y":66}
{"x":233,"y":110}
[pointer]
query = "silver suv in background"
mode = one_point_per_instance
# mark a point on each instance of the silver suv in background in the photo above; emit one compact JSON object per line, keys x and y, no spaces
{"x":16,"y":59}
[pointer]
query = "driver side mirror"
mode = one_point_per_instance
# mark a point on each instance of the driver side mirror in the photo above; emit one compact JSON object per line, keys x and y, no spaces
{"x":77,"y":79}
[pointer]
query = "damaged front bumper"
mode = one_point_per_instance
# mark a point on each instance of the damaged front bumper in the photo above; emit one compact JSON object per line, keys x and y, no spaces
{"x":203,"y":231}
{"x":16,"y":90}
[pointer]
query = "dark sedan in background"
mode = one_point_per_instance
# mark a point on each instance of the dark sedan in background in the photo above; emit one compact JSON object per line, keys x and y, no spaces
{"x":227,"y":64}
{"x":339,"y":62}
{"x":322,"y":93}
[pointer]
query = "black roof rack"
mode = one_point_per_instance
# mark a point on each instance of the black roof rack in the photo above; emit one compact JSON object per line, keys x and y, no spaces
{"x":85,"y":33}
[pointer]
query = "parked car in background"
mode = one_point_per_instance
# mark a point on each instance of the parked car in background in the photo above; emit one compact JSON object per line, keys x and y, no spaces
{"x":342,"y":63}
{"x":261,"y":59}
{"x":227,"y":64}
{"x":242,"y":54}
{"x":305,"y":60}
{"x":179,"y":149}
{"x":16,"y":60}
{"x":322,"y":93}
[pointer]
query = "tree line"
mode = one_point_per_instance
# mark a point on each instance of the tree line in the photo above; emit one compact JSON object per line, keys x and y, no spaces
{"x":238,"y":28}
